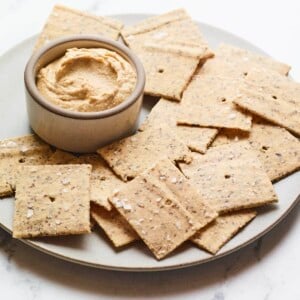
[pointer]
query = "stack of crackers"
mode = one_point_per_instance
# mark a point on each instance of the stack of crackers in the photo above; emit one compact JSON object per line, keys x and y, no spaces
{"x":225,"y":127}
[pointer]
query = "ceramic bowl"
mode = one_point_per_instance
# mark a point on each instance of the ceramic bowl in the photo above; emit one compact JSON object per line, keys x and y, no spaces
{"x":81,"y":132}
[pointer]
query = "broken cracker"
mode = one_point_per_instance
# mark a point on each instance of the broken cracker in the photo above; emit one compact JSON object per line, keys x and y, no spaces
{"x":216,"y":234}
{"x":170,"y":47}
{"x":114,"y":225}
{"x":52,"y":200}
{"x":277,"y":149}
{"x":208,"y":102}
{"x":64,"y":21}
{"x":17,"y":151}
{"x":132,"y":155}
{"x":230,"y":177}
{"x":196,"y":138}
{"x":162,"y":207}
{"x":272,"y":97}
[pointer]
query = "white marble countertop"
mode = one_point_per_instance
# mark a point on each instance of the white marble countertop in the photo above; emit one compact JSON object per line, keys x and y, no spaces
{"x":267,"y":269}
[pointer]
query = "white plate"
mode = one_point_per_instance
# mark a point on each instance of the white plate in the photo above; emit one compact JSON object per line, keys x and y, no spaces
{"x":94,"y":249}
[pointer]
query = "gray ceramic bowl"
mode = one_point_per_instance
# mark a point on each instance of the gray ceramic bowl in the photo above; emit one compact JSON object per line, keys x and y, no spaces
{"x":81,"y":132}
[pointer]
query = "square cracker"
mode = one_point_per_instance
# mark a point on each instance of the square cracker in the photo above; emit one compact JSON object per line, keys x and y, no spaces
{"x":163,"y":208}
{"x":114,"y":225}
{"x":52,"y":200}
{"x":132,"y":155}
{"x":272,"y":97}
{"x":216,"y":234}
{"x":18,"y":151}
{"x":64,"y":21}
{"x":103,"y":180}
{"x":208,"y":102}
{"x":232,"y":62}
{"x":170,"y":47}
{"x":277,"y":149}
{"x":230,"y":177}
{"x":196,"y":138}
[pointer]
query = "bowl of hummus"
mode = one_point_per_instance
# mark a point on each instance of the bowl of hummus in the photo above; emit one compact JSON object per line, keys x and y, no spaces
{"x":83,"y":92}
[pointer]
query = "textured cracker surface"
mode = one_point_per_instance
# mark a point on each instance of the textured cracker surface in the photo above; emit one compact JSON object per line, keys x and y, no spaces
{"x":64,"y":21}
{"x":196,"y":138}
{"x":114,"y":225}
{"x":207,"y":101}
{"x":215,"y":235}
{"x":232,"y":61}
{"x":103,"y":181}
{"x":277,"y":149}
{"x":230,"y":177}
{"x":160,"y":217}
{"x":60,"y":157}
{"x":132,"y":155}
{"x":272,"y":97}
{"x":170,"y":47}
{"x":19,"y":151}
{"x":52,"y":200}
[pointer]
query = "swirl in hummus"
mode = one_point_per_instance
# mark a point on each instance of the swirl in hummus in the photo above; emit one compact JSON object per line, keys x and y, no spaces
{"x":87,"y":80}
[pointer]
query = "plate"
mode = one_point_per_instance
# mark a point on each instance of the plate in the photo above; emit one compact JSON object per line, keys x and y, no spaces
{"x":95,"y":250}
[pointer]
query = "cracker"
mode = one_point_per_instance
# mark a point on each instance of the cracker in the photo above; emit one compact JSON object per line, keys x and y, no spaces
{"x":230,"y":177}
{"x":60,"y":157}
{"x":232,"y":62}
{"x":64,"y":21}
{"x":114,"y":225}
{"x":272,"y":97}
{"x":103,"y":180}
{"x":170,"y":47}
{"x":52,"y":200}
{"x":132,"y":155}
{"x":196,"y":138}
{"x":277,"y":149}
{"x":215,"y":235}
{"x":152,"y":206}
{"x":208,"y":102}
{"x":18,"y":151}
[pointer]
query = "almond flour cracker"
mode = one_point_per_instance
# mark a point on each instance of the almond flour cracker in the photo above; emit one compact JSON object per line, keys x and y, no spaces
{"x":208,"y":102}
{"x":215,"y":235}
{"x":163,"y":208}
{"x":196,"y":138}
{"x":272,"y":97}
{"x":132,"y":155}
{"x":230,"y":177}
{"x":277,"y":149}
{"x":170,"y":47}
{"x":18,"y":151}
{"x":64,"y":21}
{"x":52,"y":200}
{"x":114,"y":225}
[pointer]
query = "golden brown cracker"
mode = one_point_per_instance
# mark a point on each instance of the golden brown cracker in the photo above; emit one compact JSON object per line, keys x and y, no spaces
{"x":52,"y":200}
{"x":162,"y":208}
{"x":132,"y":155}
{"x":18,"y":151}
{"x":230,"y":177}
{"x":216,"y":234}
{"x":114,"y":225}
{"x":196,"y":138}
{"x":64,"y":21}
{"x":277,"y":149}
{"x":272,"y":97}
{"x":170,"y":47}
{"x":208,"y":102}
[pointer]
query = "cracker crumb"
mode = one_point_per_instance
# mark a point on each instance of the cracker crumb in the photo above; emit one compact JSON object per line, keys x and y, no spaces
{"x":29,"y":213}
{"x":232,"y":116}
{"x":174,"y":180}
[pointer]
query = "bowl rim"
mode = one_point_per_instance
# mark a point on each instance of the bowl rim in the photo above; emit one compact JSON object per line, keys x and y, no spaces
{"x":125,"y":52}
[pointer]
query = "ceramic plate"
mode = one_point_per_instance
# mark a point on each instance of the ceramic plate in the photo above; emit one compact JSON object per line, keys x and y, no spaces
{"x":94,"y":249}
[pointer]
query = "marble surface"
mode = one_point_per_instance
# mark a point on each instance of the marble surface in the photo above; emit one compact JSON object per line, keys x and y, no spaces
{"x":267,"y":269}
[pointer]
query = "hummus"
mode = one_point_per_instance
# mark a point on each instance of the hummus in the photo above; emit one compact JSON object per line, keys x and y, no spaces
{"x":87,"y":80}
